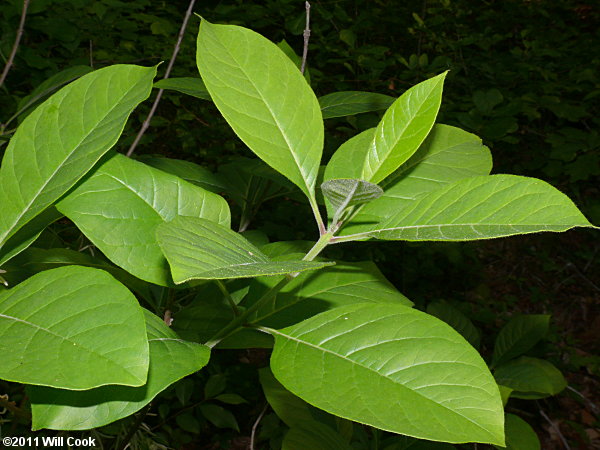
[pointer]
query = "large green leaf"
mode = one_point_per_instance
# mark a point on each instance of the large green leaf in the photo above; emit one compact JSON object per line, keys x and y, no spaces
{"x":72,"y":328}
{"x":403,"y":128}
{"x":170,"y":360}
{"x":519,"y":335}
{"x":63,"y":138}
{"x":200,"y":249}
{"x":394,"y":368}
{"x":530,"y":377}
{"x":346,"y":161}
{"x":119,"y":207}
{"x":348,"y":103}
{"x":480,"y":208}
{"x":314,"y":292}
{"x":265,"y":99}
{"x":315,"y":436}
{"x":448,"y":154}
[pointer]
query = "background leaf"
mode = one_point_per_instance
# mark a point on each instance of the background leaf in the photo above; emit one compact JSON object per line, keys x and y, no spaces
{"x":120,"y":206}
{"x":72,"y":328}
{"x":265,"y":99}
{"x":456,"y":319}
{"x":349,"y":103}
{"x":530,"y":377}
{"x":394,"y":368}
{"x":51,"y":151}
{"x":520,"y":435}
{"x":186,"y":85}
{"x":170,"y":360}
{"x":519,"y":335}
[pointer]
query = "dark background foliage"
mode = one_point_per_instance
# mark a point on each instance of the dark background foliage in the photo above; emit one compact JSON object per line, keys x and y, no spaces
{"x":524,"y":76}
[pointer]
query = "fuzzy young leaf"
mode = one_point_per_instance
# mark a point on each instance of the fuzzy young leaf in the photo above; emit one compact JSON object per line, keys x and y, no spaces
{"x":345,"y":192}
{"x":265,"y":99}
{"x":394,"y":368}
{"x":170,"y":360}
{"x":349,"y":103}
{"x":119,"y":207}
{"x":481,"y":208}
{"x":51,"y":150}
{"x":519,"y":335}
{"x":72,"y":328}
{"x":199,"y":249}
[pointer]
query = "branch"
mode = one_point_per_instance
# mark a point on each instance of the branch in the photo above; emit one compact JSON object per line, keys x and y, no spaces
{"x":13,"y":52}
{"x":146,"y":122}
{"x":306,"y":35}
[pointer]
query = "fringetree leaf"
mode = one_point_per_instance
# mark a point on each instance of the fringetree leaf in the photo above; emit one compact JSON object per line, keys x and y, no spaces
{"x":200,"y":249}
{"x":294,"y":57}
{"x":187,"y":170}
{"x":349,"y":103}
{"x":347,"y":161}
{"x":519,"y":435}
{"x":345,"y":192}
{"x":219,"y":416}
{"x":265,"y":99}
{"x":394,"y":368}
{"x":72,"y":328}
{"x":448,"y":154}
{"x":403,"y":128}
{"x":519,"y":335}
{"x":186,"y":85}
{"x":170,"y":360}
{"x":63,"y":139}
{"x":481,"y":208}
{"x":530,"y":378}
{"x":314,"y":292}
{"x":119,"y":207}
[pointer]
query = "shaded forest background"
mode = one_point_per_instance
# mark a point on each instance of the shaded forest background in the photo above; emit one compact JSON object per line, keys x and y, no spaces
{"x":524,"y":76}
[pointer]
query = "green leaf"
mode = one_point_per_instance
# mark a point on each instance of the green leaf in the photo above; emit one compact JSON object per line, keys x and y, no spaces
{"x":315,"y":436}
{"x":394,"y":368}
{"x":219,"y":416}
{"x":294,"y":57}
{"x":346,"y":162}
{"x":481,"y":208}
{"x":186,"y":85}
{"x":448,"y":154}
{"x":345,"y":192}
{"x":534,"y":376}
{"x":519,"y":435}
{"x":48,"y":87}
{"x":34,"y":260}
{"x":170,"y":360}
{"x":519,"y":335}
{"x":403,"y":128}
{"x":27,"y":234}
{"x":63,"y":139}
{"x":349,"y":103}
{"x":198,"y":249}
{"x":231,"y":399}
{"x":189,"y":171}
{"x":120,"y":206}
{"x":456,"y":319}
{"x":265,"y":99}
{"x":72,"y":328}
{"x":314,"y":292}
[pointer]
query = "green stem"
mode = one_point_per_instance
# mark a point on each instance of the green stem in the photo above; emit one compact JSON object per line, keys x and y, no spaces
{"x":241,"y":320}
{"x":227,"y":295}
{"x":317,"y":214}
